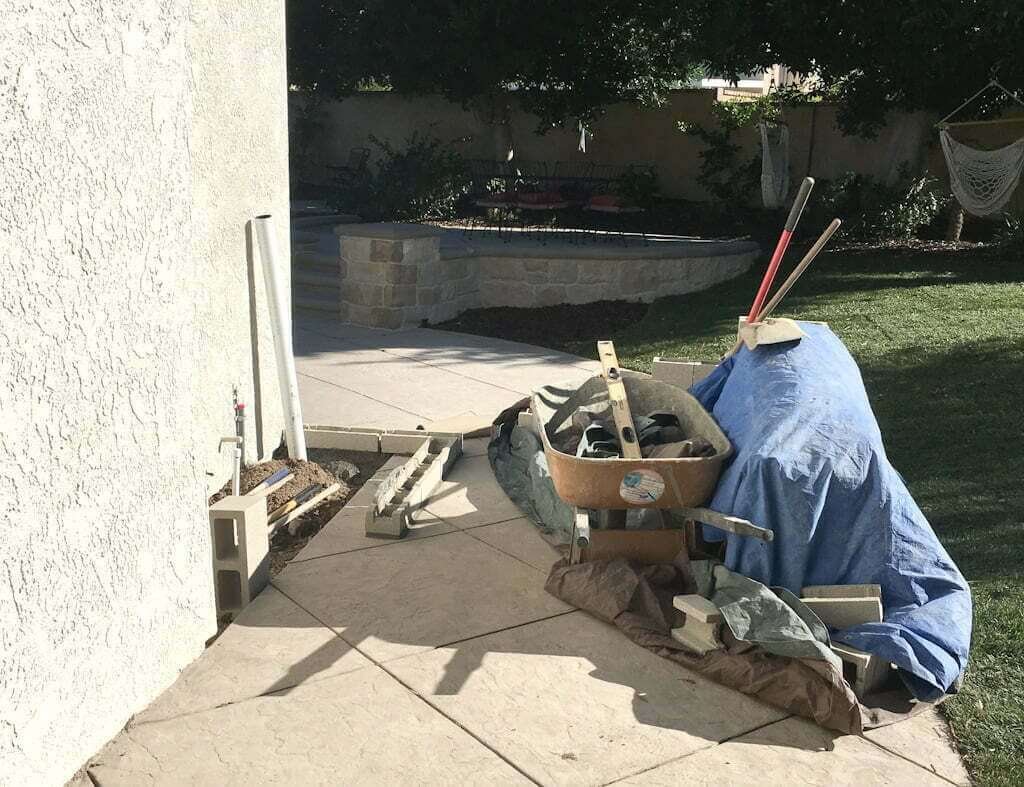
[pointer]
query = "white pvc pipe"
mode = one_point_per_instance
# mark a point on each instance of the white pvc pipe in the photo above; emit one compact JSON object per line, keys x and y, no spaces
{"x":281,"y":327}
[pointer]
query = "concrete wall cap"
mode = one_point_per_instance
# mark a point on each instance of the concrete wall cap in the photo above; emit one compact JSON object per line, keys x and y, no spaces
{"x":387,"y":231}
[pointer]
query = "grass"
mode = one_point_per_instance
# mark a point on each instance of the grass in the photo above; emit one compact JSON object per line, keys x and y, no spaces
{"x":939,"y":337}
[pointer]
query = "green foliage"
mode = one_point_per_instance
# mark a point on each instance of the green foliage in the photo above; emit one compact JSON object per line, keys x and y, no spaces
{"x":872,"y":210}
{"x":562,"y":61}
{"x":424,"y":180}
{"x":1011,"y":234}
{"x":567,"y":61}
{"x":638,"y":187}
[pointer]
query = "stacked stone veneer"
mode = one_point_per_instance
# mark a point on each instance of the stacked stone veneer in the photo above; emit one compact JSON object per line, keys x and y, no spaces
{"x":394,"y":276}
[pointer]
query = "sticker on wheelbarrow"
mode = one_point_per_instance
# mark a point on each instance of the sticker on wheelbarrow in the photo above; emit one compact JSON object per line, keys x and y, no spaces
{"x":641,"y":487}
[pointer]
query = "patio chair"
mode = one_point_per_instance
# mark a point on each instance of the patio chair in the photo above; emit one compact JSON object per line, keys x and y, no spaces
{"x":490,"y":190}
{"x":535,"y":192}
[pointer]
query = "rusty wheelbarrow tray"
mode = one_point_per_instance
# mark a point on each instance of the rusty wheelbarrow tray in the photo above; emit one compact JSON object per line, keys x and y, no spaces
{"x":683,"y":484}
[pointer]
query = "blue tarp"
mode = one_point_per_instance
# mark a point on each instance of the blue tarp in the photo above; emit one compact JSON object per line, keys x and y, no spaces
{"x":810,"y":465}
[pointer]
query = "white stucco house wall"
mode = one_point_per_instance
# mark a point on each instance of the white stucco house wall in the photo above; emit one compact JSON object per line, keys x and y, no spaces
{"x":138,"y":137}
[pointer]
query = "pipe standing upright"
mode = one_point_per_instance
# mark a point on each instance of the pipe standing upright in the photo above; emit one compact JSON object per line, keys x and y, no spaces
{"x":281,"y":327}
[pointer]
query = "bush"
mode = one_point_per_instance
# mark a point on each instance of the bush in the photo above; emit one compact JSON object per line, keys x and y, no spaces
{"x":425,"y":180}
{"x":874,"y":211}
{"x":638,"y":187}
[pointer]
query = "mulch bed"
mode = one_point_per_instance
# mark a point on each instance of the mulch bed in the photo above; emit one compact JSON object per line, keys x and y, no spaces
{"x":349,"y":469}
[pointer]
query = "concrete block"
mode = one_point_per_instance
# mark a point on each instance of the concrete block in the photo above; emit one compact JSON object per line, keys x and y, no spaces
{"x":697,"y":607}
{"x":386,"y":317}
{"x":402,"y":441}
{"x":342,"y":438}
{"x":865,"y":672}
{"x":679,"y":372}
{"x":362,"y":294}
{"x":563,"y":271}
{"x":597,"y":272}
{"x":241,"y":545}
{"x":842,"y":613}
{"x":549,"y":295}
{"x":386,"y":250}
{"x":400,"y":274}
{"x":364,"y":272}
{"x":399,"y":295}
{"x":427,"y":296}
{"x":842,"y":591}
{"x":700,"y":631}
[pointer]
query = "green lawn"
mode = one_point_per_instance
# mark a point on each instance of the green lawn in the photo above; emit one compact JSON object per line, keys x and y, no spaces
{"x":939,"y":336}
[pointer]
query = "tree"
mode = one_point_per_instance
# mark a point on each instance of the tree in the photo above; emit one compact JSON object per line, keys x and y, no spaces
{"x":872,"y":56}
{"x":561,"y":60}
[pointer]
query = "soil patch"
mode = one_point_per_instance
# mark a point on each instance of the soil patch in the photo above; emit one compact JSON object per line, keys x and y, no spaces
{"x":349,"y":469}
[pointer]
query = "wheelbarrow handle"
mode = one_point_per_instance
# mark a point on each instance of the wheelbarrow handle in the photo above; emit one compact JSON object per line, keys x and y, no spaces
{"x":730,"y":524}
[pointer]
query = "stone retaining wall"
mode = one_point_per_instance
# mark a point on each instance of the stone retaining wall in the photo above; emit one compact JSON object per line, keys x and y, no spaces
{"x":530,"y":282}
{"x":394,"y":275}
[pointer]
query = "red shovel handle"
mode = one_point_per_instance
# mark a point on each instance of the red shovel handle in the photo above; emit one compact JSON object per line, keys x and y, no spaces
{"x":780,"y":248}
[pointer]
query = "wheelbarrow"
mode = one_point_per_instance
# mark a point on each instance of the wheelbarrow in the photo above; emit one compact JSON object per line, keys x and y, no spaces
{"x":611,"y":486}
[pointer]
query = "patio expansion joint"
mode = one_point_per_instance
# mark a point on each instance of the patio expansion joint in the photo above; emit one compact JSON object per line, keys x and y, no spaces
{"x":383,"y":668}
{"x":358,"y":393}
{"x":697,"y":751}
{"x":922,"y":766}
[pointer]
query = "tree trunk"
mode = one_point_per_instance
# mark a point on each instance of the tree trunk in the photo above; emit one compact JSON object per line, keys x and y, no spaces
{"x":956,"y":221}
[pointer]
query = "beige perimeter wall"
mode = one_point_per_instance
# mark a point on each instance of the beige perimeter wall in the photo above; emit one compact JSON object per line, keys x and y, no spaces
{"x":626,"y":134}
{"x":139,"y":136}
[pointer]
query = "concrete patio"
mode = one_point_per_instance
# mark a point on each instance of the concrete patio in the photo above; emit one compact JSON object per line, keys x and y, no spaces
{"x":440,"y":659}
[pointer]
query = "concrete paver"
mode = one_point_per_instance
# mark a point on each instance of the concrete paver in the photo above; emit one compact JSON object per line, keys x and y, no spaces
{"x":272,"y":645}
{"x":573,"y":701}
{"x":324,"y":403}
{"x":924,"y":739}
{"x":521,"y":539}
{"x":416,"y":595}
{"x":789,"y":752}
{"x":363,"y":728}
{"x":422,"y":373}
{"x":470,"y":496}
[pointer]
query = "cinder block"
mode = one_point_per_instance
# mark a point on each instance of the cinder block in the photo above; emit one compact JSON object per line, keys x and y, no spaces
{"x":697,"y":607}
{"x":842,"y":591}
{"x":700,"y":631}
{"x":241,"y":546}
{"x":679,"y":372}
{"x":342,"y":438}
{"x":865,"y":672}
{"x":842,"y":613}
{"x":402,"y":441}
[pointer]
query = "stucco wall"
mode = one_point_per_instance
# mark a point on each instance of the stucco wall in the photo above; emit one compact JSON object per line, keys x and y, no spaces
{"x":139,"y":135}
{"x":625,"y":134}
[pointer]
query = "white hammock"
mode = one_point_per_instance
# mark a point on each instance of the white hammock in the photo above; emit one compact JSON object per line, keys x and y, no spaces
{"x":982,"y":180}
{"x":774,"y":164}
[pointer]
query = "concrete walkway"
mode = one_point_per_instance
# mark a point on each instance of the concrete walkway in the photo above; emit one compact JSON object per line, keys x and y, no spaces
{"x":440,"y":659}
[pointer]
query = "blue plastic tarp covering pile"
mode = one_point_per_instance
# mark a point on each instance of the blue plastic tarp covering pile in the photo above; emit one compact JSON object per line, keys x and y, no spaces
{"x":810,"y":465}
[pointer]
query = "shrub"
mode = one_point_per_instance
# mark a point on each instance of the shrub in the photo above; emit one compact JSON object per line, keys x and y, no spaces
{"x":874,"y":211}
{"x":424,"y":180}
{"x":638,"y":186}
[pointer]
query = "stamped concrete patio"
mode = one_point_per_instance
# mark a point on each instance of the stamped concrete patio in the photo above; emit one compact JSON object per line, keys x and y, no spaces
{"x":441,"y":660}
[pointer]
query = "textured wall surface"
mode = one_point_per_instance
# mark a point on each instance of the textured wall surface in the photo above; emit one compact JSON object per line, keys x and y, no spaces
{"x":139,"y":135}
{"x":625,"y":134}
